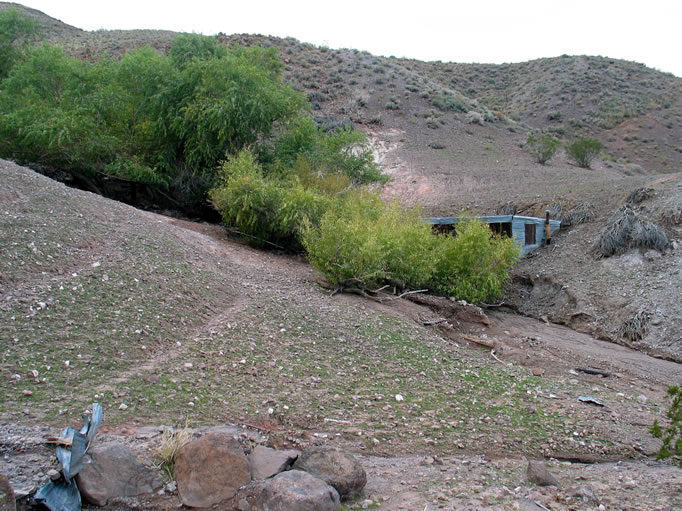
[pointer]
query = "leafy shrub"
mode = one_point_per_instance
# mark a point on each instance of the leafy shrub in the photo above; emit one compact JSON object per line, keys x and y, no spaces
{"x":341,"y":151}
{"x":584,"y":151}
{"x":362,"y":242}
{"x":672,"y":434}
{"x":267,"y":211}
{"x":542,"y":147}
{"x":475,"y":264}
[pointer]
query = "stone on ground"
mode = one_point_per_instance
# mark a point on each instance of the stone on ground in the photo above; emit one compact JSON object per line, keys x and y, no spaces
{"x":110,"y":470}
{"x":265,"y":462}
{"x":7,"y":502}
{"x":300,"y":491}
{"x":210,"y":470}
{"x":336,"y":468}
{"x":538,"y":474}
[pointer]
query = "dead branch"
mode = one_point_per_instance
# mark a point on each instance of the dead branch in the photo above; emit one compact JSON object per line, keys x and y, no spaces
{"x":336,"y":420}
{"x":361,"y":292}
{"x":406,"y":293}
{"x":482,"y":342}
{"x":57,"y":440}
{"x":595,"y":372}
{"x":433,"y":321}
{"x":492,"y":352}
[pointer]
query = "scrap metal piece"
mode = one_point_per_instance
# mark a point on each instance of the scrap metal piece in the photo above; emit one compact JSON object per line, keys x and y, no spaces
{"x":59,"y":496}
{"x":590,"y":400}
{"x":72,"y":459}
{"x":63,"y":495}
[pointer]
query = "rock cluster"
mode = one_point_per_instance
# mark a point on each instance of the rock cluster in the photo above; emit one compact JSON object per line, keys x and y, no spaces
{"x":213,"y":469}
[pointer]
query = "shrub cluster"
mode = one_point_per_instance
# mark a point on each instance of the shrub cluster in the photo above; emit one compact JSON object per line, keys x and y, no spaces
{"x":164,"y":121}
{"x":362,"y":242}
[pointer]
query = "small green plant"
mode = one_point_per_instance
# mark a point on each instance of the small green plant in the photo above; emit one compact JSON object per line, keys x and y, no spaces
{"x":542,"y":147}
{"x":672,"y":434}
{"x":584,"y":151}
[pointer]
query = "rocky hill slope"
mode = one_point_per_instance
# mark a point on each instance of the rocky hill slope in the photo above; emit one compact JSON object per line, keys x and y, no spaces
{"x":450,"y":136}
{"x":168,"y":322}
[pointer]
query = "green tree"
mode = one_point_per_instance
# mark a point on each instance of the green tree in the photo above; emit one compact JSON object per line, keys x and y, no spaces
{"x":542,"y":146}
{"x":583,"y":151}
{"x":16,"y":33}
{"x":222,"y":105}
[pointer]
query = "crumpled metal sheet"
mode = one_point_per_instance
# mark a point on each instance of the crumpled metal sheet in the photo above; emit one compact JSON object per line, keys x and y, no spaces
{"x":59,"y":496}
{"x":72,"y":458}
{"x":64,"y":495}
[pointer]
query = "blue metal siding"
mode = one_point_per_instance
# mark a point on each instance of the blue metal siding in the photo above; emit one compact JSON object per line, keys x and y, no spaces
{"x":518,"y":227}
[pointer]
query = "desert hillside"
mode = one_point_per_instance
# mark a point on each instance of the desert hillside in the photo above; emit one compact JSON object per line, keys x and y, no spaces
{"x":450,"y":137}
{"x":177,"y":326}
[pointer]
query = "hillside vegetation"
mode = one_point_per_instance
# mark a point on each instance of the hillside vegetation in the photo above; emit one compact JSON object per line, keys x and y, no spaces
{"x":452,"y":136}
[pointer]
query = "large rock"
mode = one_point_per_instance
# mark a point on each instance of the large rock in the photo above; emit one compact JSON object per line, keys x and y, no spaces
{"x":7,"y":502}
{"x":210,"y":469}
{"x":265,"y":462}
{"x":111,"y":470}
{"x":296,"y":490}
{"x":538,"y":474}
{"x":336,"y":468}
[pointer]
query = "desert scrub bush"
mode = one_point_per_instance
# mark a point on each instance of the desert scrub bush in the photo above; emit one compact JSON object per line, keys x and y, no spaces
{"x":393,"y":103}
{"x":447,"y":102}
{"x":584,"y":151}
{"x":672,"y":434}
{"x":363,"y":242}
{"x":474,"y":117}
{"x":624,"y":231}
{"x":541,"y":147}
{"x":580,"y":214}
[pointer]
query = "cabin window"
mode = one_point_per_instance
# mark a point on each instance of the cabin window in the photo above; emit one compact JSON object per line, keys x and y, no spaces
{"x":502,"y":228}
{"x":530,"y":234}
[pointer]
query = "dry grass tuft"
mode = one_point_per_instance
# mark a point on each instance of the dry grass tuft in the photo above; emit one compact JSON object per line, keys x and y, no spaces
{"x":634,"y":329}
{"x":171,"y":442}
{"x":639,"y":195}
{"x":625,"y":231}
{"x":580,"y":214}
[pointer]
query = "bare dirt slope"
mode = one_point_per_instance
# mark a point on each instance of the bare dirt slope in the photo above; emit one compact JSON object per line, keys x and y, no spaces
{"x":100,"y":301}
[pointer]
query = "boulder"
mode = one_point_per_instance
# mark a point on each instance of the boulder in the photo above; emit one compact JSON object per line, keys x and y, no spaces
{"x":265,"y":462}
{"x":336,"y":468}
{"x":538,"y":474}
{"x":210,"y":470}
{"x":299,"y":491}
{"x":111,"y":470}
{"x":7,"y":502}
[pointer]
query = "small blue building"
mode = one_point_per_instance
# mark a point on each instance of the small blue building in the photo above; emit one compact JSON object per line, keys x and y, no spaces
{"x":528,"y":231}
